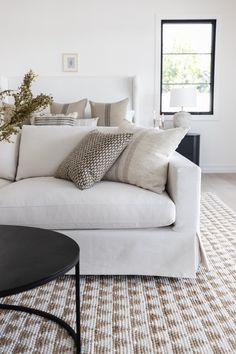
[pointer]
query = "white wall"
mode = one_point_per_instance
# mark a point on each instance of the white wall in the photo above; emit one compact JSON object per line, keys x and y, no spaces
{"x":116,"y":37}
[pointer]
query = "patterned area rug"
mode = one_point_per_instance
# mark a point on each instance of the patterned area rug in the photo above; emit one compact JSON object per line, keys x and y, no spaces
{"x":140,"y":315}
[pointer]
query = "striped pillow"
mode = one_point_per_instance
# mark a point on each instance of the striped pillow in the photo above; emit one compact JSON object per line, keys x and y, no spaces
{"x":55,"y":119}
{"x":66,"y":108}
{"x":110,"y":114}
{"x":144,"y":162}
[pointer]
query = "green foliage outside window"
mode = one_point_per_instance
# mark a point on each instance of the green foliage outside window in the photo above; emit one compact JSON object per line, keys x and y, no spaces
{"x":184,"y":66}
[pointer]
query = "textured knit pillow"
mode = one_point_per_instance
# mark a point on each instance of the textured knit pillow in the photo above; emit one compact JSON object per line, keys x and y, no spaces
{"x":110,"y":114}
{"x":92,"y":157}
{"x":55,"y":119}
{"x":145,"y":161}
{"x":66,"y":108}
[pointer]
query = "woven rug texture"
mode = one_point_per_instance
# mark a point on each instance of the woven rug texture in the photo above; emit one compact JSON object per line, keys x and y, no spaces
{"x":135,"y":314}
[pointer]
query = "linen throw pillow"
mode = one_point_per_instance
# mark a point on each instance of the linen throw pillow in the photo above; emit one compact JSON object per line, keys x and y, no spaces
{"x":55,"y":119}
{"x":110,"y":114}
{"x":66,"y":108}
{"x":144,"y":162}
{"x":92,"y":157}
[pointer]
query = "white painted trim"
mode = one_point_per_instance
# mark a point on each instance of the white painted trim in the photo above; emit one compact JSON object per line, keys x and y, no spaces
{"x":135,"y":98}
{"x":218,"y":169}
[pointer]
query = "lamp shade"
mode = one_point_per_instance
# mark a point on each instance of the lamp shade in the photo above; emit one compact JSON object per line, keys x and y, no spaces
{"x":183,"y":97}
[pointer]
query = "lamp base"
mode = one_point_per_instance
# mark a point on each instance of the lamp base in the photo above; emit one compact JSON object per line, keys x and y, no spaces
{"x":182,"y":119}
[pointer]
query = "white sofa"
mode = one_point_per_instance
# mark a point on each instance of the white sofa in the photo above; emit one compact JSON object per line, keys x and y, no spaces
{"x":121,"y":228}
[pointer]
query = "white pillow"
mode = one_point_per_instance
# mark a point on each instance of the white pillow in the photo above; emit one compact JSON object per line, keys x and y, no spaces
{"x":9,"y":157}
{"x":87,"y":122}
{"x":43,"y":148}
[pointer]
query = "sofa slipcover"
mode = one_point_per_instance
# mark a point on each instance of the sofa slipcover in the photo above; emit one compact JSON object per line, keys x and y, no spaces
{"x":53,"y":203}
{"x":4,"y":182}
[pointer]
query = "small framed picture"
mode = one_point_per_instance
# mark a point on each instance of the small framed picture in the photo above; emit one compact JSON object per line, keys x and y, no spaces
{"x":70,"y":62}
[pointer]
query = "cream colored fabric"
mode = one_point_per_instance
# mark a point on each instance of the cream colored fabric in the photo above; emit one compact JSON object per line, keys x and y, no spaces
{"x":173,"y":251}
{"x":53,"y":203}
{"x":43,"y":148}
{"x":66,"y":108}
{"x":145,"y":161}
{"x":145,"y":251}
{"x":110,"y":114}
{"x":9,"y":157}
{"x":4,"y":182}
{"x":87,"y":122}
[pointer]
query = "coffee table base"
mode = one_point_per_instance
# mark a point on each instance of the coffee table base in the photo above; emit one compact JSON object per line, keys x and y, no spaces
{"x":49,"y":316}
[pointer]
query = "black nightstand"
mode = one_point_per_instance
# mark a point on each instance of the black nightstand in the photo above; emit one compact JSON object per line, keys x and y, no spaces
{"x":190,"y":147}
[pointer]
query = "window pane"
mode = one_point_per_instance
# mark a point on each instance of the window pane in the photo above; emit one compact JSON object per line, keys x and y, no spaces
{"x":188,"y":54}
{"x":185,"y":68}
{"x":187,"y":38}
{"x":203,"y":98}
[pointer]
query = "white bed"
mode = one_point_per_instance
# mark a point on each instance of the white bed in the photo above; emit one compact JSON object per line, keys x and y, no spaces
{"x":67,"y":89}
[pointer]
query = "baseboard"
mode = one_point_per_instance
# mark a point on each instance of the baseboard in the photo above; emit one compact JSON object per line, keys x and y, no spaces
{"x":219,"y":169}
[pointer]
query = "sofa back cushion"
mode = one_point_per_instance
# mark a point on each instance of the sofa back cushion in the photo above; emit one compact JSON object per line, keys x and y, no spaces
{"x":43,"y":148}
{"x":9,"y":157}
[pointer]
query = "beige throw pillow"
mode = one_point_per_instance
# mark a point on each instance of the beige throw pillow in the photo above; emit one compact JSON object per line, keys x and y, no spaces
{"x":92,"y":157}
{"x":145,"y":161}
{"x":66,"y":108}
{"x":110,"y":114}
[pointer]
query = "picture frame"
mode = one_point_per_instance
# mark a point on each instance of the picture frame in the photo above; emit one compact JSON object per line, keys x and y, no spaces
{"x":70,"y":62}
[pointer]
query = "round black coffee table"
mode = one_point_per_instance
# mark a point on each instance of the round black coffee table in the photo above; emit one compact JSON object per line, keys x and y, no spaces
{"x":30,"y":257}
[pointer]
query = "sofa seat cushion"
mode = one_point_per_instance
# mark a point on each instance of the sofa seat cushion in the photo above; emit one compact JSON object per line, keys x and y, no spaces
{"x":4,"y":182}
{"x":53,"y":203}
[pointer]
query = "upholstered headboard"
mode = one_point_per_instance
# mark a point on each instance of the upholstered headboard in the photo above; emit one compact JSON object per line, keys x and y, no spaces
{"x":96,"y":88}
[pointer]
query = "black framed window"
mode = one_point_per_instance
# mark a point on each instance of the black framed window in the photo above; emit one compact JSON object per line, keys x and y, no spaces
{"x":188,"y":60}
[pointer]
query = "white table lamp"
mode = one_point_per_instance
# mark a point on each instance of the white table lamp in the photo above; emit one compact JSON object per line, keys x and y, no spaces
{"x":183,"y":97}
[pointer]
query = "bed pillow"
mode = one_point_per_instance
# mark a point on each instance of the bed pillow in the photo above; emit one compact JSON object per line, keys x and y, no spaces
{"x":66,"y":108}
{"x":144,"y":162}
{"x":9,"y":157}
{"x":110,"y":114}
{"x":87,"y":122}
{"x":55,"y":119}
{"x":92,"y":157}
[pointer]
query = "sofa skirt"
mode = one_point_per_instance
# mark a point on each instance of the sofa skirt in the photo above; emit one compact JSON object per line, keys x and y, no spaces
{"x":154,"y":252}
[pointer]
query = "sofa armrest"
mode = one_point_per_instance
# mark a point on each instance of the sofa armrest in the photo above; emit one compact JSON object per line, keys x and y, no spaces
{"x":184,"y":188}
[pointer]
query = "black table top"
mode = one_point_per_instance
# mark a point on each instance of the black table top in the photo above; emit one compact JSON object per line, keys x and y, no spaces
{"x":30,"y":257}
